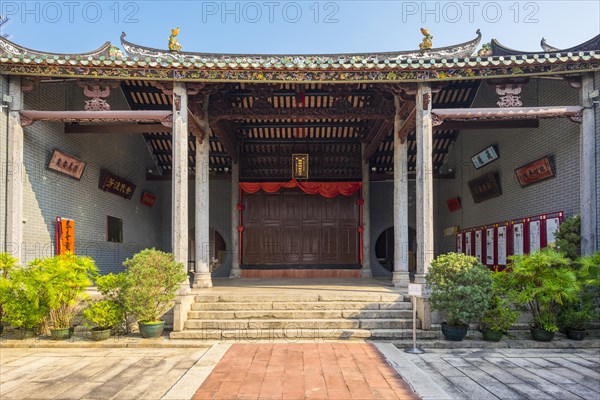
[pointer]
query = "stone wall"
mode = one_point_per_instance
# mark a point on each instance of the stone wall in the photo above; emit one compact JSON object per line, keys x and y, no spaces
{"x":558,"y":138}
{"x":3,"y":157}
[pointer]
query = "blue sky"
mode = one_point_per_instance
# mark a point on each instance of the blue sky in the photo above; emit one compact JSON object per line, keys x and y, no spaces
{"x":297,"y":26}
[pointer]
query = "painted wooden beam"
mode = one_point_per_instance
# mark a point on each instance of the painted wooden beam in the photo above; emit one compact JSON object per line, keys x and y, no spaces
{"x":507,"y":113}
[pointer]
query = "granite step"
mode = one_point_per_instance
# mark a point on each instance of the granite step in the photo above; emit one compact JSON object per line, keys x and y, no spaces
{"x":299,"y":314}
{"x":297,"y":305}
{"x":239,"y":335}
{"x":225,"y":324}
{"x":305,"y":297}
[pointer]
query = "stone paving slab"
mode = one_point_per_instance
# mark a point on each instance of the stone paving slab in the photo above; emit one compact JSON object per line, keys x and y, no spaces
{"x":505,"y":373}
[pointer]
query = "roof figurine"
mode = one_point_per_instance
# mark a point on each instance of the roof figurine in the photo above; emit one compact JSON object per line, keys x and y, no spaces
{"x":173,"y":44}
{"x":427,"y":40}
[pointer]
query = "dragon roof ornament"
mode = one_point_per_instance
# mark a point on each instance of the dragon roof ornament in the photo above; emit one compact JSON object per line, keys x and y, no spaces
{"x":461,"y":50}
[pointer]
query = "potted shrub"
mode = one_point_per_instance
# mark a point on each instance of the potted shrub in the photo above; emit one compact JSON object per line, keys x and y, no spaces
{"x":576,"y":321}
{"x":7,"y":264}
{"x":152,"y":280}
{"x":64,"y":279}
{"x":461,"y":288}
{"x":497,"y":319}
{"x":101,"y":316}
{"x":22,"y":304}
{"x":113,"y":287}
{"x":541,"y":282}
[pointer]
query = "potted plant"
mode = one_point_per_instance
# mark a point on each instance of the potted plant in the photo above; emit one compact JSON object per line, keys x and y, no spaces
{"x":101,"y":316}
{"x":541,"y":282}
{"x":114,"y":288}
{"x":7,"y":264}
{"x":461,"y":288}
{"x":152,"y":280}
{"x":64,"y":278}
{"x":497,"y":319}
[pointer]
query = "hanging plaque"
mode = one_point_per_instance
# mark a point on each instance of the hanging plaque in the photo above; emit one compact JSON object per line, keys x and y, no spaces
{"x":65,"y":236}
{"x":518,"y":244}
{"x":300,"y":166}
{"x":116,"y":185}
{"x":501,"y":245}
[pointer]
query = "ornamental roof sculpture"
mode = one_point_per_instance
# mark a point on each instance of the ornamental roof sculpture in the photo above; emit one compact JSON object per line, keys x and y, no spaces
{"x":498,"y":49}
{"x":461,"y":50}
{"x":9,"y":49}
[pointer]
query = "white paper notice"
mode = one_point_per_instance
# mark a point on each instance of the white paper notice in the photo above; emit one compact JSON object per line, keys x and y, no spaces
{"x":551,"y":228}
{"x":501,"y":245}
{"x":478,"y":246}
{"x":459,"y":243}
{"x":489,"y":246}
{"x":518,"y":239}
{"x":468,"y":236}
{"x":534,"y":236}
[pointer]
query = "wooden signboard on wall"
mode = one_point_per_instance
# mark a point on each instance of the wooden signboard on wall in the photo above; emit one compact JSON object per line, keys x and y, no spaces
{"x":116,"y":185}
{"x":484,"y":187}
{"x":536,"y":171}
{"x":65,"y":236}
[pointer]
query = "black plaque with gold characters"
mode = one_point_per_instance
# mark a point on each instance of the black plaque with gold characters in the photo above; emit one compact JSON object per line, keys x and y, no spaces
{"x":300,"y":166}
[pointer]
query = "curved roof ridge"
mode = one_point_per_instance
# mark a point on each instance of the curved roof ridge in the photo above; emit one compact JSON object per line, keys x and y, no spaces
{"x":498,"y":49}
{"x":460,"y":50}
{"x":14,"y":50}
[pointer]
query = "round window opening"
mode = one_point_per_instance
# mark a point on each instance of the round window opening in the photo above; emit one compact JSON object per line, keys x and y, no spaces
{"x":384,"y":249}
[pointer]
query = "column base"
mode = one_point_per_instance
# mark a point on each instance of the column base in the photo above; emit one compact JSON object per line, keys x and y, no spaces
{"x":184,"y":288}
{"x":202,"y":280}
{"x":235,"y":272}
{"x":366,"y":272}
{"x":401,"y":279}
{"x":420,"y":278}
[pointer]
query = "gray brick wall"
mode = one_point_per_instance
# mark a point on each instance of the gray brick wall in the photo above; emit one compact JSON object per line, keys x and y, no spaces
{"x":3,"y":156}
{"x":48,"y":194}
{"x":556,"y":137}
{"x":597,"y":86}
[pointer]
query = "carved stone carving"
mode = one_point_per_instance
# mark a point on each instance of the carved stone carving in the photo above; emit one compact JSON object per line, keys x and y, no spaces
{"x":98,"y":91}
{"x":509,"y":95}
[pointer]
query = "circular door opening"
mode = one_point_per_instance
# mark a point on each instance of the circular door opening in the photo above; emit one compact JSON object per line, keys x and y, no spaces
{"x":384,"y":249}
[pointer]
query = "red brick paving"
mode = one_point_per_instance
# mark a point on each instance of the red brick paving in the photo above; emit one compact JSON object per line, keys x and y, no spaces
{"x":295,"y":371}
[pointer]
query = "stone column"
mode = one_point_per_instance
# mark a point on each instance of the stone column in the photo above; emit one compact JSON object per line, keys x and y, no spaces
{"x":424,"y":181}
{"x":365,"y":271}
{"x":14,"y":171}
{"x":587,"y":167}
{"x":179,"y":187}
{"x":202,"y":277}
{"x":400,"y":276}
{"x":235,"y":221}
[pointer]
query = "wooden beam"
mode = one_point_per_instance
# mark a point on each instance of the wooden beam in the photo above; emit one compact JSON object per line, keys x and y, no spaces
{"x":507,"y":113}
{"x":493,"y":124}
{"x":116,"y":128}
{"x":30,"y":116}
{"x":384,"y":130}
{"x":229,"y":144}
{"x":408,"y":125}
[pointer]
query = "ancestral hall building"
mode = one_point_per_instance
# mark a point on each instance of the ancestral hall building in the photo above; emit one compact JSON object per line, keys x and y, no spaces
{"x":339,"y":166}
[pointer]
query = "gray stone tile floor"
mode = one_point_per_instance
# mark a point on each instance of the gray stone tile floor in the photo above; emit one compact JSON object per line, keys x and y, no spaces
{"x":175,"y":373}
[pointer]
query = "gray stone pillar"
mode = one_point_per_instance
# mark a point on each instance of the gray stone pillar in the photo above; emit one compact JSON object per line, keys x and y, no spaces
{"x":424,"y":181}
{"x":587,"y":170}
{"x":15,"y":171}
{"x":365,"y":271}
{"x":235,"y":221}
{"x":202,"y":277}
{"x":179,"y":187}
{"x":400,"y":276}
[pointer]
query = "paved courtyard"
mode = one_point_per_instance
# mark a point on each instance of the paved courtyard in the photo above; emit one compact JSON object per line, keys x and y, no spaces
{"x":297,"y":371}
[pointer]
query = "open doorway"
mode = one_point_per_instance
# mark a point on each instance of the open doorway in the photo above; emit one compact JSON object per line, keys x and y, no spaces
{"x":384,"y":249}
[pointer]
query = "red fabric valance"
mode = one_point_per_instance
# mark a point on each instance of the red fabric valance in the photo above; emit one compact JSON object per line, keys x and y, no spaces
{"x":325,"y":189}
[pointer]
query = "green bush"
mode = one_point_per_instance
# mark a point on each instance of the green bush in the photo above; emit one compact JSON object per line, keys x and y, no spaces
{"x":589,"y":274}
{"x":114,"y":287}
{"x":22,"y":298}
{"x":7,"y":265}
{"x":103,"y":314}
{"x":63,"y":280}
{"x":152,"y":280}
{"x":542,"y":282}
{"x":499,"y":316}
{"x":460,"y":287}
{"x":568,"y":237}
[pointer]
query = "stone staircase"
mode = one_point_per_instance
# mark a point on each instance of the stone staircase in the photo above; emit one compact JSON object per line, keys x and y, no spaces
{"x":320,"y":315}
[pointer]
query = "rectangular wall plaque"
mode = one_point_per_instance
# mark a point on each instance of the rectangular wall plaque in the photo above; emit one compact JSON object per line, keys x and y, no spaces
{"x":116,"y":185}
{"x":66,"y":164}
{"x":536,"y":171}
{"x":148,"y":199}
{"x":485,"y":156}
{"x":484,"y":187}
{"x":300,"y":166}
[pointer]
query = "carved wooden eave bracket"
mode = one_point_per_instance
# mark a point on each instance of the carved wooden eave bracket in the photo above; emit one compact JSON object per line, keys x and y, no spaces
{"x":165,"y":118}
{"x":509,"y":113}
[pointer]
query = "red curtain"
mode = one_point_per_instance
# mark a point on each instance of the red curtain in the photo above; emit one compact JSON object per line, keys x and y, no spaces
{"x":325,"y":189}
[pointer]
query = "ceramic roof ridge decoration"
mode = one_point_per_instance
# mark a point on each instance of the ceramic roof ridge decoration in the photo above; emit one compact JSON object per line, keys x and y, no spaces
{"x":11,"y":49}
{"x":461,"y":50}
{"x":498,"y":49}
